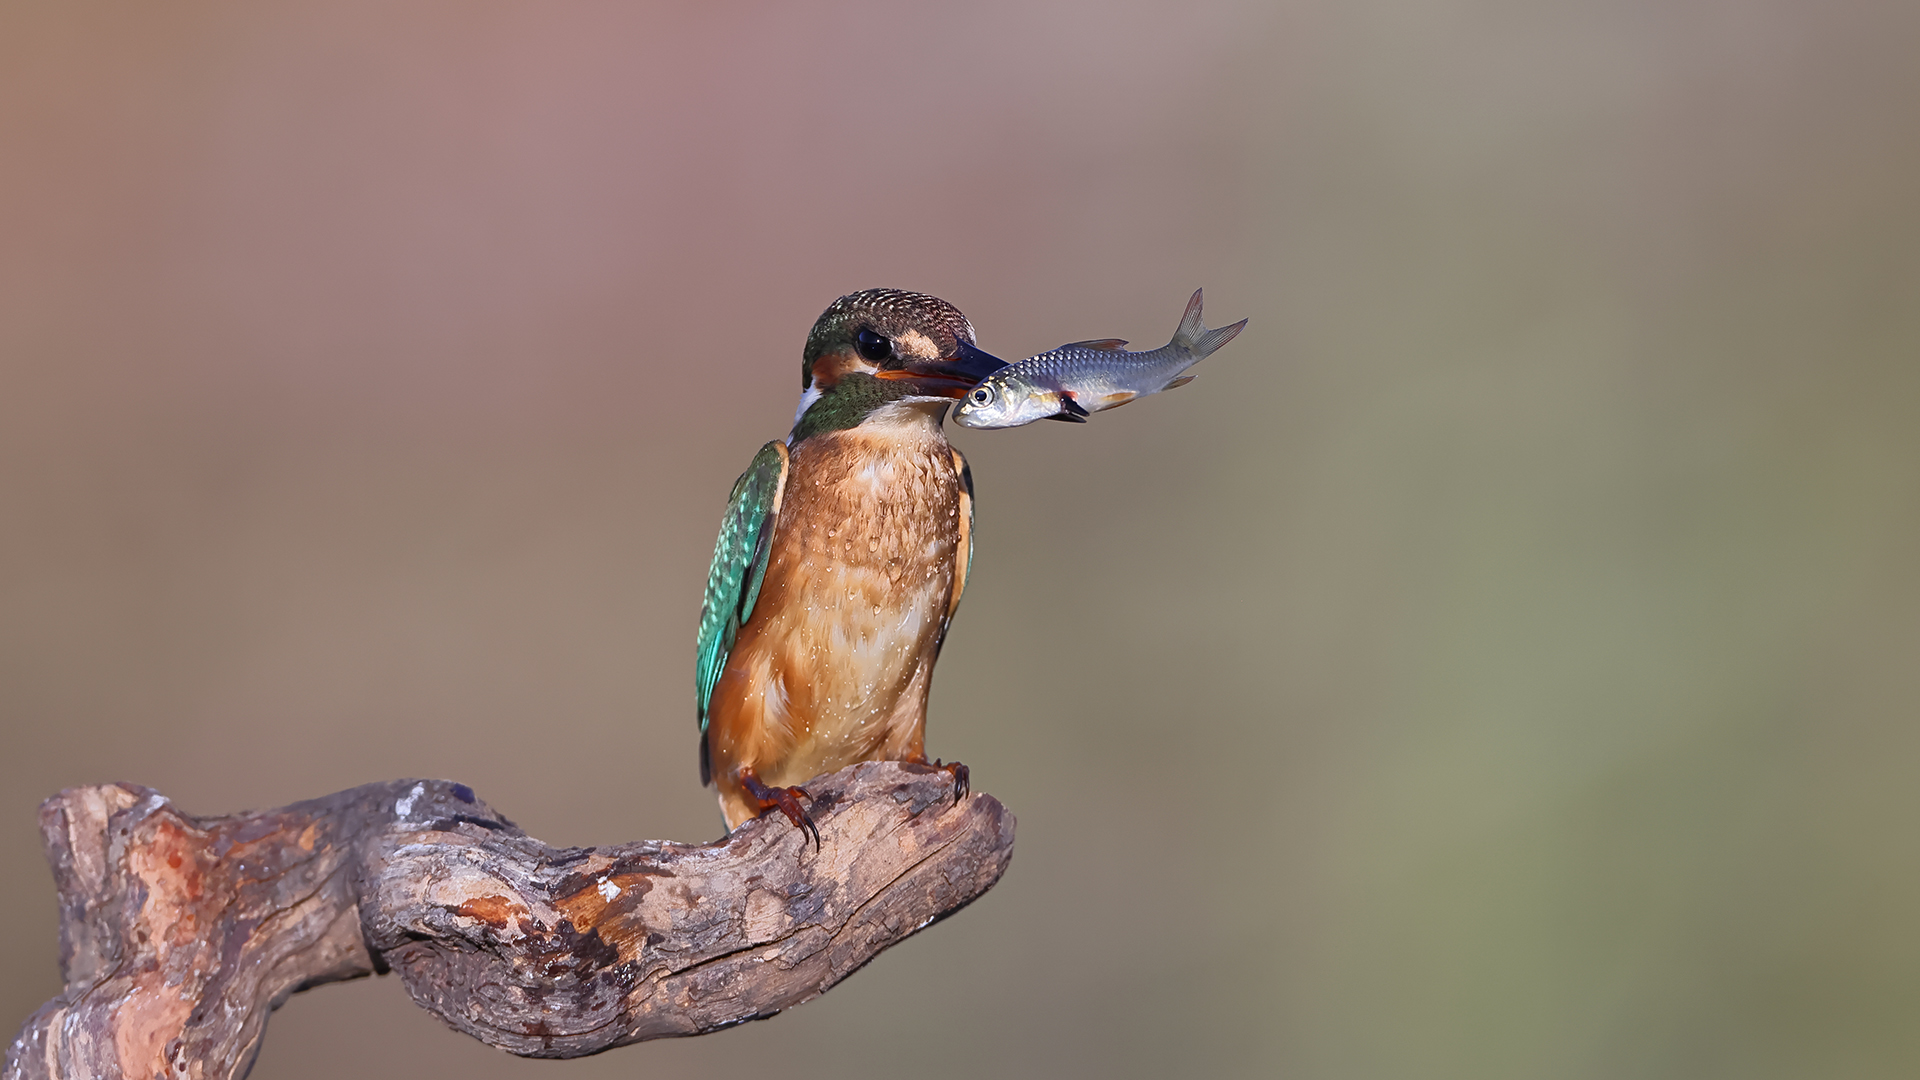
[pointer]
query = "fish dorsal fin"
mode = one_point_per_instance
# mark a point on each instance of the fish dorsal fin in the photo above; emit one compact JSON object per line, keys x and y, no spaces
{"x":1097,"y":343}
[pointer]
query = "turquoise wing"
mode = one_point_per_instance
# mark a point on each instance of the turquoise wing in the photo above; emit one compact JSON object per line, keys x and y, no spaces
{"x":739,"y":566}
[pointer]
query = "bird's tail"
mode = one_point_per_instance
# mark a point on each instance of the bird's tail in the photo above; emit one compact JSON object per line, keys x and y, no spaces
{"x":1194,"y":337}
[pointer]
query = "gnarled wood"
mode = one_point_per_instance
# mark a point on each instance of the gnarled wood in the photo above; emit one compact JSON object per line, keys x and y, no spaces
{"x":178,"y":935}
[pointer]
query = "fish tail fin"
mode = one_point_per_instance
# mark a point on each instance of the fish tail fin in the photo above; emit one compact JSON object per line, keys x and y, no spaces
{"x":1194,"y":337}
{"x":1213,"y":339}
{"x":1191,"y":327}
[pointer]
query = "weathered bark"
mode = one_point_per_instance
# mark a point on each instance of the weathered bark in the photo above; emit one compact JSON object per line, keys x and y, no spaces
{"x":178,"y":935}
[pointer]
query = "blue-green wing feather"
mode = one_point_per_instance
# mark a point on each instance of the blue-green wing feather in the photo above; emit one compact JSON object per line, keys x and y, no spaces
{"x":739,"y":565}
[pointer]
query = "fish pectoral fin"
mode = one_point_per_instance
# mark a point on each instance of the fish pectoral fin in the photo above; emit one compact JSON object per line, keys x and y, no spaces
{"x":1097,"y":343}
{"x":1114,"y":401}
{"x":1070,"y":411}
{"x":1181,"y":381}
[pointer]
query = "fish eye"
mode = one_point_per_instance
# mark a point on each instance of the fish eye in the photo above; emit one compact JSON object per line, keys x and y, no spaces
{"x":981,"y":395}
{"x":872,"y":345}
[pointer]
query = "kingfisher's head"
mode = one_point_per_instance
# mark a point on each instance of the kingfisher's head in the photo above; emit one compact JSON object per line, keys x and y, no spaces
{"x":886,"y":348}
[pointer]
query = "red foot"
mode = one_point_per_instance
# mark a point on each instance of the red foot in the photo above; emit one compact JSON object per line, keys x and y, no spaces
{"x":784,"y":799}
{"x":962,"y":778}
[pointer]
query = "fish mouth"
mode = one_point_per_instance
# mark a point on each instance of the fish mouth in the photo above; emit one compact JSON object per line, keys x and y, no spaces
{"x":950,"y":377}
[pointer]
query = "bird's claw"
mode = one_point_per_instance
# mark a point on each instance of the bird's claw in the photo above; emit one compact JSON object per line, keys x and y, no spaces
{"x":962,"y":778}
{"x":787,"y":801}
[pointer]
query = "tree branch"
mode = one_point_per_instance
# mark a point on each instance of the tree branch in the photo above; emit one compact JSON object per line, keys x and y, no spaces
{"x":178,"y":935}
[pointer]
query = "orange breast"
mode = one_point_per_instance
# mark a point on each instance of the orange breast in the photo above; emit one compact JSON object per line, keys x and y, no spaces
{"x":834,"y":664}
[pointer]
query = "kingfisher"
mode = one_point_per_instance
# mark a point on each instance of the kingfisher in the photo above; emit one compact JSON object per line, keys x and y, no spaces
{"x":841,"y":560}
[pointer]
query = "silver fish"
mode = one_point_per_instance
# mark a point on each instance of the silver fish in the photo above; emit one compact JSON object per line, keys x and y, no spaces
{"x":1074,"y":381}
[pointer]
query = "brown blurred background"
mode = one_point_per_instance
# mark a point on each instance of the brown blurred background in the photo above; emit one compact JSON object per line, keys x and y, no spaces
{"x":1500,"y":663}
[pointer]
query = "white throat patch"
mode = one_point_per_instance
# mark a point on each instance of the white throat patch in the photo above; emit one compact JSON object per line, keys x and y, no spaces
{"x":807,"y":397}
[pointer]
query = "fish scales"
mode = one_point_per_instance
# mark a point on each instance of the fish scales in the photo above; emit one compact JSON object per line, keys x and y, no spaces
{"x":1079,"y":379}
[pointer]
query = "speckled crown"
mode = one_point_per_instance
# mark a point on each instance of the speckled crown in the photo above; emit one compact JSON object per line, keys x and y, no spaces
{"x":888,"y":312}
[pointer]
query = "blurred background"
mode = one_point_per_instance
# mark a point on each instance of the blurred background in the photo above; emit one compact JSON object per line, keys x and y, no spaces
{"x":1502,"y":662}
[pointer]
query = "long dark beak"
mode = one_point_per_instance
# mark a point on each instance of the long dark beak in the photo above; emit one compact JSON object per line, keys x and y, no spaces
{"x":950,"y":377}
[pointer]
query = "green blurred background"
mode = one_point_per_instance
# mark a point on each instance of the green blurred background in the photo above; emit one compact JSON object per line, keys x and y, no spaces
{"x":1500,"y":663}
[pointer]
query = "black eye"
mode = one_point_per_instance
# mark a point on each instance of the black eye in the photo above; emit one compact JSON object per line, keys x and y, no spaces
{"x":982,"y":395}
{"x":872,"y":345}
